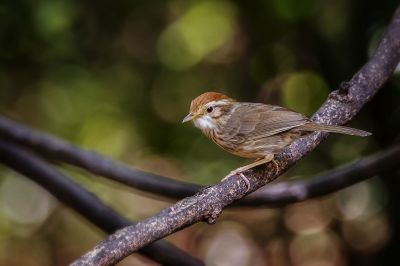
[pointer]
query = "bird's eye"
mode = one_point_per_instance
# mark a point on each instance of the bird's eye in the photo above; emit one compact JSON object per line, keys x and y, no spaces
{"x":210,"y":109}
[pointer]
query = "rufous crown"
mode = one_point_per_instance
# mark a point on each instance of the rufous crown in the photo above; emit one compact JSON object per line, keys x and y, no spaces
{"x":206,"y":98}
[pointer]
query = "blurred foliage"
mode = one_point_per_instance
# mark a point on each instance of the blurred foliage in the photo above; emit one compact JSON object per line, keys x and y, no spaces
{"x":118,"y":78}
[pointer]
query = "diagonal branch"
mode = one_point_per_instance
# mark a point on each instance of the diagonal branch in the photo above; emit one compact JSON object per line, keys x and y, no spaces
{"x":341,"y":106}
{"x":84,"y":202}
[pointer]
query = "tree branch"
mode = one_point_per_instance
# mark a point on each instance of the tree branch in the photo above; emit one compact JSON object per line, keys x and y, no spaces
{"x":288,"y":192}
{"x":341,"y":106}
{"x":61,"y":150}
{"x":84,"y":202}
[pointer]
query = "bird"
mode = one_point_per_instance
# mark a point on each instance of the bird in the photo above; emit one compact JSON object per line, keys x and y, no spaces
{"x":253,"y":130}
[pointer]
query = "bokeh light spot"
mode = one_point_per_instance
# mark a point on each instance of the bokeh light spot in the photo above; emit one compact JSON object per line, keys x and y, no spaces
{"x":107,"y":134}
{"x":53,"y":17}
{"x":304,"y":92}
{"x":367,"y":235}
{"x":25,"y":202}
{"x":321,"y":248}
{"x":361,"y":201}
{"x":229,"y":245}
{"x":206,"y":26}
{"x":307,"y":217}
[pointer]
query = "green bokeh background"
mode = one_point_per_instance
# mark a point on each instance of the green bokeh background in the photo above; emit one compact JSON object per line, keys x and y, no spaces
{"x":118,"y":77}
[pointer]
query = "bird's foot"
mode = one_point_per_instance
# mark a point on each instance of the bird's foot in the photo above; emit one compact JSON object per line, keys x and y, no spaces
{"x":239,"y":173}
{"x":276,"y":166}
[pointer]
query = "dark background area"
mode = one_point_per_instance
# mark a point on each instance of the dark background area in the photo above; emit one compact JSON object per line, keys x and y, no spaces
{"x":118,"y":77}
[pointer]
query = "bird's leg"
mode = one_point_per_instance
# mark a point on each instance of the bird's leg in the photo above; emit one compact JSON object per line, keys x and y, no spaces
{"x":239,"y":171}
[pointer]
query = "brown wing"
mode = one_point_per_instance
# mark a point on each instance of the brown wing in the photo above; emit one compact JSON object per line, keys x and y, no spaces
{"x":256,"y":120}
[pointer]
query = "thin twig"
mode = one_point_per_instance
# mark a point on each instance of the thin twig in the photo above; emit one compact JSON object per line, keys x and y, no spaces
{"x":341,"y":106}
{"x":84,"y":202}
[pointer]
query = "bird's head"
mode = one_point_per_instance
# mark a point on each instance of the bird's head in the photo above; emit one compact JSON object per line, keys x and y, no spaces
{"x":208,"y":108}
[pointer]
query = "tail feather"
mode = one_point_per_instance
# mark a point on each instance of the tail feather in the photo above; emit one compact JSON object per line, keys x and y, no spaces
{"x":334,"y":129}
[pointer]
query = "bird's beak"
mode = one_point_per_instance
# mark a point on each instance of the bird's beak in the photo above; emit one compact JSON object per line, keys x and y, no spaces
{"x":187,"y":118}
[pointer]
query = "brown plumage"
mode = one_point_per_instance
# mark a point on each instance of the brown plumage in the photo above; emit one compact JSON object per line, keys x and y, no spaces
{"x":253,"y":130}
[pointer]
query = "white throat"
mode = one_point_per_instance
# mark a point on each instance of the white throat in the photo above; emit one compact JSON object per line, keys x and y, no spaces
{"x":204,"y":123}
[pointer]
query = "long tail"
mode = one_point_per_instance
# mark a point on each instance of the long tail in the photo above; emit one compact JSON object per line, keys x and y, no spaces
{"x":334,"y":129}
